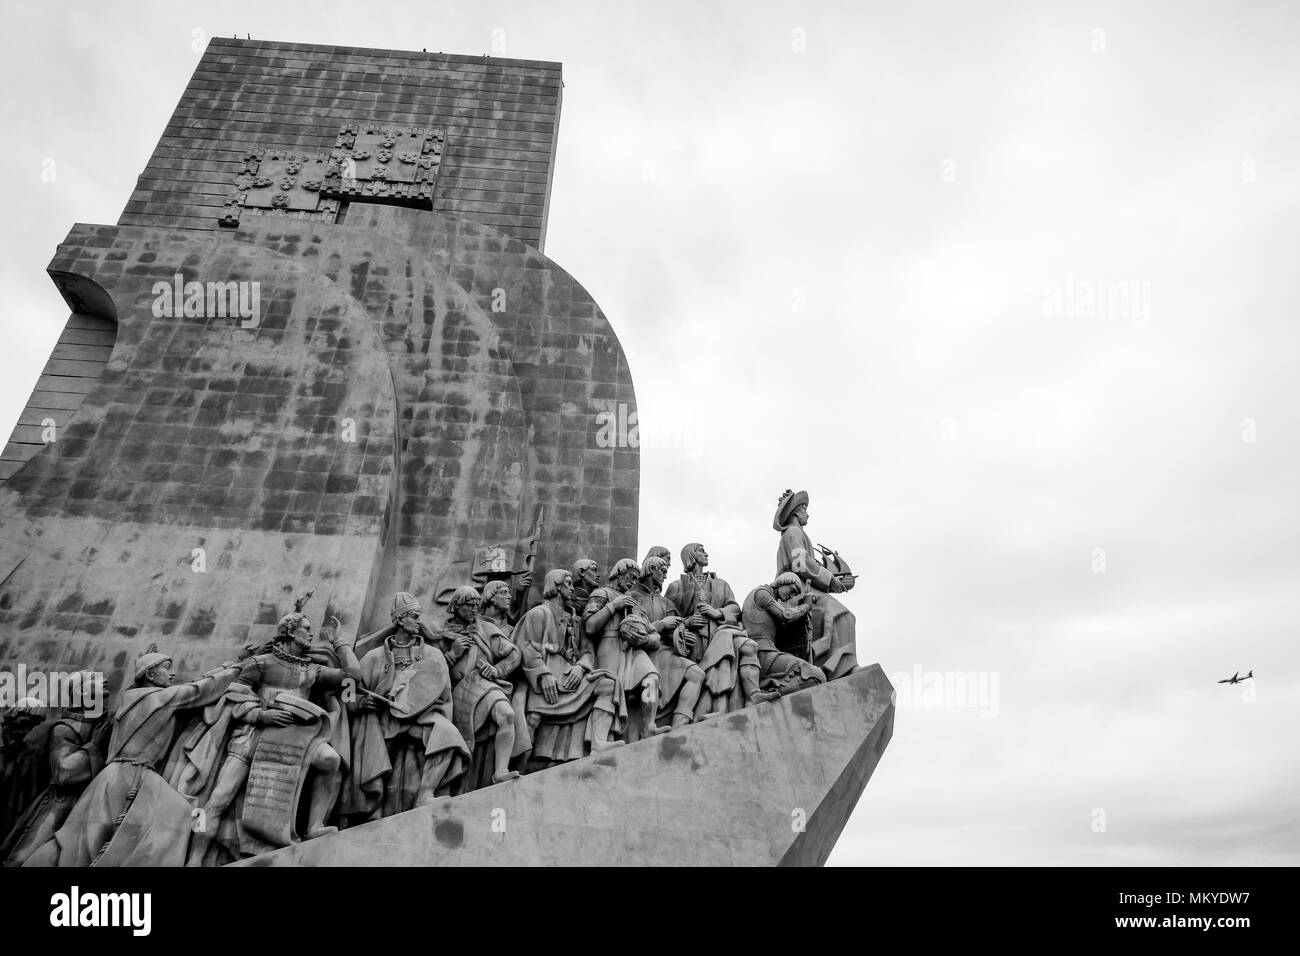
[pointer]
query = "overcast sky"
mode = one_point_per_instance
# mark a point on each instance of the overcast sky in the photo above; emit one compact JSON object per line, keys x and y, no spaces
{"x":1012,"y":292}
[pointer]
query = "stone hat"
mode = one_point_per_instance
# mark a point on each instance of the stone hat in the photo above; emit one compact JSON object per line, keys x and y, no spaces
{"x":785,"y":508}
{"x":688,"y":555}
{"x":582,"y":564}
{"x":787,"y":577}
{"x":404,"y":604}
{"x":622,"y":565}
{"x":492,"y":587}
{"x":652,"y":562}
{"x":461,"y":595}
{"x":148,"y":660}
{"x":659,"y":551}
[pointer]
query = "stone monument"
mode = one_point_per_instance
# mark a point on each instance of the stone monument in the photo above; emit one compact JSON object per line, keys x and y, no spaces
{"x":322,"y":357}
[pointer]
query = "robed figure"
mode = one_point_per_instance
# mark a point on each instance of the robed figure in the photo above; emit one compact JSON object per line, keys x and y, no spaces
{"x":571,"y":706}
{"x":130,"y":815}
{"x":406,"y":751}
{"x":711,"y":636}
{"x":76,"y":754}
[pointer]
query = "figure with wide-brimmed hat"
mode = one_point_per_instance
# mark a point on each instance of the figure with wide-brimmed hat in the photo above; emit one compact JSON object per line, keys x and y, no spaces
{"x":834,"y":638}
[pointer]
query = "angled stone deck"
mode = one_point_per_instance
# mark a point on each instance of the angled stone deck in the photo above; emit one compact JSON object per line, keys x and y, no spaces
{"x":731,"y":791}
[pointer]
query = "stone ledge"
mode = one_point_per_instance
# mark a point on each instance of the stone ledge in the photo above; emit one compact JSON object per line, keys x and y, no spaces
{"x":725,"y":792}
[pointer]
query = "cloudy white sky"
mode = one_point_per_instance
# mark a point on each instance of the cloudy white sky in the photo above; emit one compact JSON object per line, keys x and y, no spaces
{"x":849,"y":247}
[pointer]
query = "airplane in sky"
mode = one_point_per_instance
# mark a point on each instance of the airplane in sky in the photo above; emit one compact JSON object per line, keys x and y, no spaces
{"x":1234,"y":679}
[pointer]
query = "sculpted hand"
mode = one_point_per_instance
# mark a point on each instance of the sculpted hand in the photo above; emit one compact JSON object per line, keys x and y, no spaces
{"x":369,"y":703}
{"x":464,"y":641}
{"x":276,"y":718}
{"x":711,"y":612}
{"x":668,"y":623}
{"x":621,"y":602}
{"x":488,"y":671}
{"x":550,"y":688}
{"x":696,"y":622}
{"x":571,"y":680}
{"x":526,"y":580}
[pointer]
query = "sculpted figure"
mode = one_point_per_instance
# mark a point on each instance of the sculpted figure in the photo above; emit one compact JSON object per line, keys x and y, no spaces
{"x":406,"y":751}
{"x":569,"y":703}
{"x":586,"y":579}
{"x":482,"y":659}
{"x":495,"y":606}
{"x":624,"y":642}
{"x":681,"y":680}
{"x":76,"y":754}
{"x":492,"y":567}
{"x":289,"y":729}
{"x":130,"y":815}
{"x":776,"y":616}
{"x":713,"y":638}
{"x":659,"y":551}
{"x":24,"y":766}
{"x":834,"y":642}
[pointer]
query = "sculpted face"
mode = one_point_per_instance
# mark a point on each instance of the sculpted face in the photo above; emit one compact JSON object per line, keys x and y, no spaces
{"x":501,"y":600}
{"x":701,"y":558}
{"x":657,"y":574}
{"x":801,"y":515}
{"x":590,"y":576}
{"x":625,"y":580}
{"x":410,"y":622}
{"x":467,"y":612}
{"x":301,"y":636}
{"x":162,"y":675}
{"x":565,"y":587}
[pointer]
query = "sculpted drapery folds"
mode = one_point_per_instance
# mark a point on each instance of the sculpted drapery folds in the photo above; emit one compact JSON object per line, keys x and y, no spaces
{"x":406,"y":750}
{"x":681,"y":680}
{"x":130,"y":815}
{"x":482,"y":660}
{"x":570,"y":704}
{"x":289,"y":730}
{"x":834,"y":642}
{"x":624,"y":642}
{"x":713,"y":637}
{"x":776,"y":616}
{"x":24,"y":761}
{"x":76,"y":754}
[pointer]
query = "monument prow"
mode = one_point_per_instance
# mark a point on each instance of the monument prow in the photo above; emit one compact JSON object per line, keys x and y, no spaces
{"x":772,"y":784}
